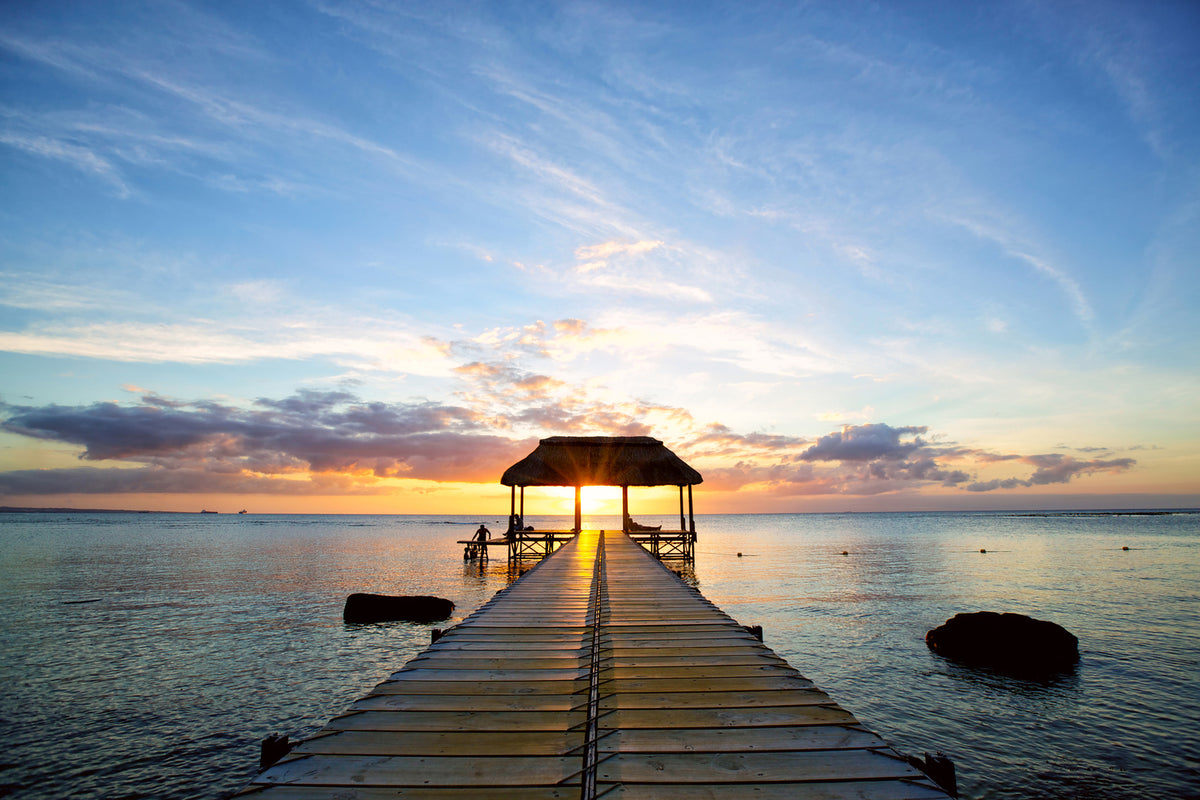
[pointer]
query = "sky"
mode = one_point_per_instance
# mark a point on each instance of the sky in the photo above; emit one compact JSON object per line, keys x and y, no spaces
{"x":358,"y":257}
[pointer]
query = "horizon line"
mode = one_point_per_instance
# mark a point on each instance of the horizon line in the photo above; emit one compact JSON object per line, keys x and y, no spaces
{"x":1034,"y":511}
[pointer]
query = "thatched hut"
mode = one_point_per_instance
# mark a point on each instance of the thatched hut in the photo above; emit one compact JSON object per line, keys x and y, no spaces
{"x":623,"y":461}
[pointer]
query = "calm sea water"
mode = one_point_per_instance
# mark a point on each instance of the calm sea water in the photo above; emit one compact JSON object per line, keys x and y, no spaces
{"x":147,"y":655}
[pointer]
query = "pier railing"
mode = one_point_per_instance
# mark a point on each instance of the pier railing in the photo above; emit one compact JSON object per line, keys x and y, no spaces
{"x":668,"y":545}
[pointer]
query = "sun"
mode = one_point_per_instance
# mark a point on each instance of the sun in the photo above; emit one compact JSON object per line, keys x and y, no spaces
{"x":600,"y":500}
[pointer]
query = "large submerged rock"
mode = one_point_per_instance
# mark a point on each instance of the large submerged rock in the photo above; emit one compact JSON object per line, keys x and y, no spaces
{"x":362,"y":607}
{"x":1010,"y":643}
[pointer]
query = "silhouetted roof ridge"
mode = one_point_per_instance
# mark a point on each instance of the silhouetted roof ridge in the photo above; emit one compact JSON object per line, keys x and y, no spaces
{"x":600,"y":440}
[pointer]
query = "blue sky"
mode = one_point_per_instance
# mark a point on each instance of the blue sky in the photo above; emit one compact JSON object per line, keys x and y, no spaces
{"x":343,"y":256}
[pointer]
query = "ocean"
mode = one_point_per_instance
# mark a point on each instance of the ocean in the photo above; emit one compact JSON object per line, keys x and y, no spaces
{"x":147,"y":655}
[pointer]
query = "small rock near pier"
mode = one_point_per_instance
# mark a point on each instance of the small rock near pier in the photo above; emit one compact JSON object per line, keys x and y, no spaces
{"x":362,"y":607}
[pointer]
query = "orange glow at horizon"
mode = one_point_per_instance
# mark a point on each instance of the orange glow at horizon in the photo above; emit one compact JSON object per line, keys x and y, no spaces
{"x":560,"y":500}
{"x":488,"y":500}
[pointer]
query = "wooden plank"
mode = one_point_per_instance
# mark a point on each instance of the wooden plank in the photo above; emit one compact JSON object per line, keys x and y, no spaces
{"x":548,"y":619}
{"x":540,"y":609}
{"x":632,"y":718}
{"x":688,"y":673}
{"x":441,"y":743}
{"x":710,"y":768}
{"x":416,"y":793}
{"x":476,"y":662}
{"x":418,"y":687}
{"x":460,"y":702}
{"x":532,"y":606}
{"x":508,"y":644}
{"x":841,"y":790}
{"x":667,"y":617}
{"x":669,"y":658}
{"x":394,"y":771}
{"x":723,"y":647}
{"x":492,"y":674}
{"x":838,"y":790}
{"x":544,"y":619}
{"x":548,"y":641}
{"x":775,"y":697}
{"x":458,"y":721}
{"x":633,"y":635}
{"x":707,"y":684}
{"x":731,"y":740}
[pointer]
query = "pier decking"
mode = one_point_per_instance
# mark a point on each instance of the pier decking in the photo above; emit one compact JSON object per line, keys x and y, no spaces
{"x":598,"y":674}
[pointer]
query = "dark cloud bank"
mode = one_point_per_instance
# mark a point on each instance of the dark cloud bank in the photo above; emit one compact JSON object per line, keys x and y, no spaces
{"x":337,"y":443}
{"x":333,"y":443}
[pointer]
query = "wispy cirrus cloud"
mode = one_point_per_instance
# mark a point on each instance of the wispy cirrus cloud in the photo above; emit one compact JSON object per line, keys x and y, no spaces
{"x":1011,"y":244}
{"x":214,"y":128}
{"x":78,"y":156}
{"x":1122,"y":53}
{"x":41,"y":294}
{"x":644,"y":340}
{"x":604,"y":250}
{"x":200,"y":342}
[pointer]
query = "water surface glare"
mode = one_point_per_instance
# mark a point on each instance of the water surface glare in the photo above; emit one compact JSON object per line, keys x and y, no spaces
{"x":147,"y":655}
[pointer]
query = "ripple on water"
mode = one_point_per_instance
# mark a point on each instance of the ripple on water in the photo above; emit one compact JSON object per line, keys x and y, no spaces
{"x":212,"y":633}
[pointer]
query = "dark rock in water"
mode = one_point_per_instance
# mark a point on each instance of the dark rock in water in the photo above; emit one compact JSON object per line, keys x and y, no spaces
{"x":1010,"y":643}
{"x":381,"y":608}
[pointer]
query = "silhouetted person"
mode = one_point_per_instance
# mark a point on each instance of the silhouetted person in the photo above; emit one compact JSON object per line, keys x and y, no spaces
{"x":482,"y":534}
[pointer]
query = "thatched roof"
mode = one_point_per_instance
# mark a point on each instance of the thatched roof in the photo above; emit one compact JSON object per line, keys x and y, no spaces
{"x":601,"y":461}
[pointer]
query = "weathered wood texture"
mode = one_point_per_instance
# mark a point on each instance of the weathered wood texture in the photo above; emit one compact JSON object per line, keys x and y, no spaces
{"x":598,"y":673}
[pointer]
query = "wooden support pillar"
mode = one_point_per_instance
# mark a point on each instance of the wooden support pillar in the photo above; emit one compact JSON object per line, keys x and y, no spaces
{"x":625,"y":509}
{"x":512,"y":506}
{"x":578,"y":509}
{"x":689,"y":549}
{"x":522,"y":505}
{"x":691,"y":513}
{"x":682,"y":522}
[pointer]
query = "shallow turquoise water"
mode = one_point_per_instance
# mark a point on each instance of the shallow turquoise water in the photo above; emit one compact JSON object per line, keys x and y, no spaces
{"x":210,"y":632}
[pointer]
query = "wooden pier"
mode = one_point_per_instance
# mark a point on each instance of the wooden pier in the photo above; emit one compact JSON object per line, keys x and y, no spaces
{"x":598,"y":674}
